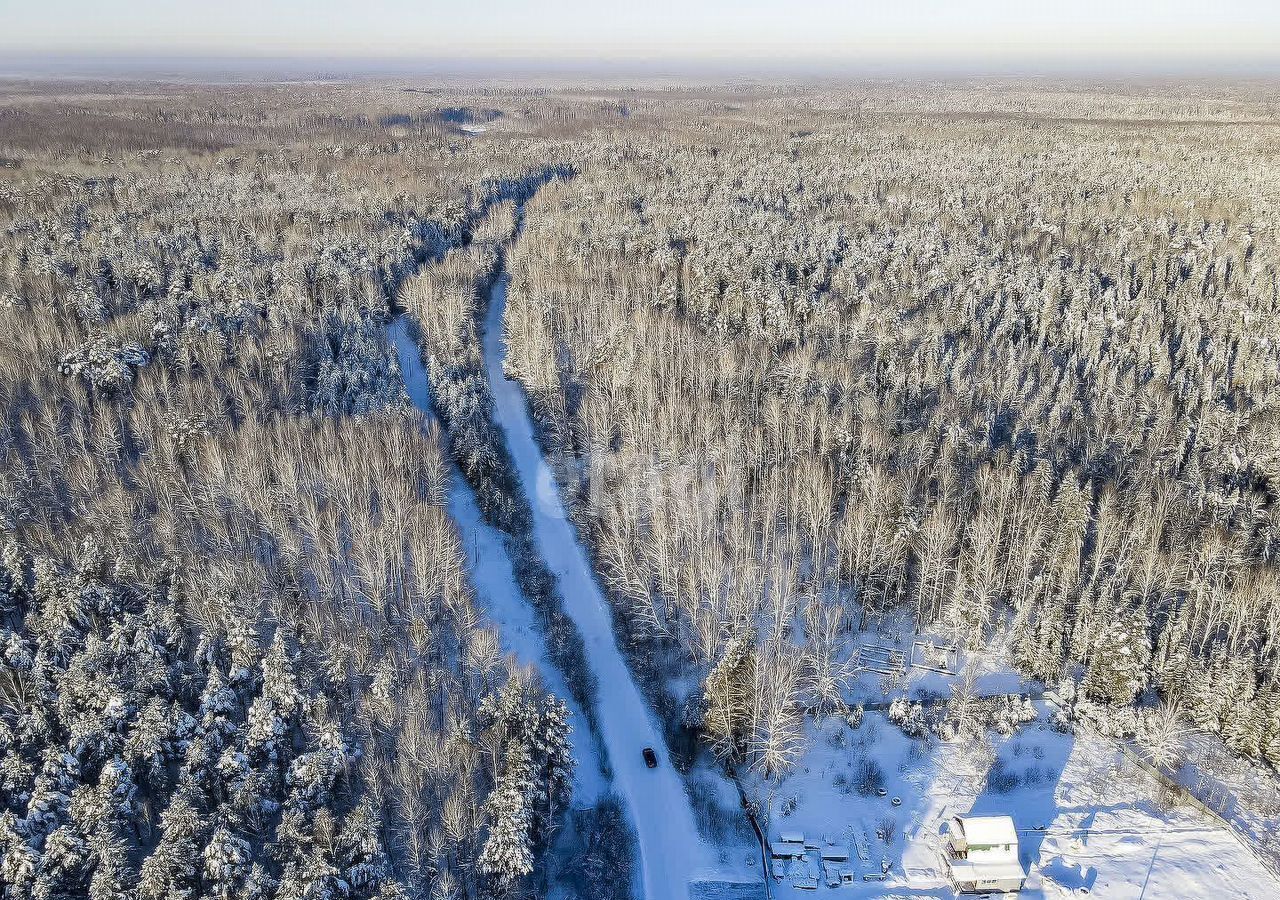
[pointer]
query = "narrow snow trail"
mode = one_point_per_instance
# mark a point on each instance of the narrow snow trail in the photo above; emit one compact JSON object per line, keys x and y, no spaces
{"x":489,"y":565}
{"x":672,"y":852}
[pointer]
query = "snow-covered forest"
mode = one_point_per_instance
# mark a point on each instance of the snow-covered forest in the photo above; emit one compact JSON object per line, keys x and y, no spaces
{"x":1016,"y":373}
{"x":241,"y":656}
{"x":997,"y":364}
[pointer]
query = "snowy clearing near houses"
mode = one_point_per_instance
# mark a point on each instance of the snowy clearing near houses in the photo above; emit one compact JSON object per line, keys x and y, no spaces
{"x":1104,"y":832}
{"x":1090,"y":820}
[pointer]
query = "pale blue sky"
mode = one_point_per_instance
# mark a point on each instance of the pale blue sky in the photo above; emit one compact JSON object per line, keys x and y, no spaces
{"x":911,"y":30}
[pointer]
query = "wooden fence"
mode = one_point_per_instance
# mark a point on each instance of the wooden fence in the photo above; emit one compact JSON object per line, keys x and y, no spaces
{"x":749,"y":809}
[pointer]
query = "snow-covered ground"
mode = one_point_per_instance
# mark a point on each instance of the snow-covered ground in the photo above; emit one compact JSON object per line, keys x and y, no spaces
{"x":1104,"y":831}
{"x":672,"y":853}
{"x":1090,"y":820}
{"x":1244,"y":792}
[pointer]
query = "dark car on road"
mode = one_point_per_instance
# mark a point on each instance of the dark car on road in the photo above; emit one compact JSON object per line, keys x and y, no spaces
{"x":650,"y":758}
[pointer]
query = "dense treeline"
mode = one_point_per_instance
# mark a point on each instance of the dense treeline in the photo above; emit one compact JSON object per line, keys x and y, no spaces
{"x":446,"y":302}
{"x":1016,"y":376}
{"x":446,"y":305}
{"x":241,"y":654}
{"x":140,"y":762}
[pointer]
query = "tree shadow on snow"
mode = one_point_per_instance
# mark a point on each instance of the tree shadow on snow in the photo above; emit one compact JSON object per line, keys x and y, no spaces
{"x":1023,"y":783}
{"x":1072,"y":877}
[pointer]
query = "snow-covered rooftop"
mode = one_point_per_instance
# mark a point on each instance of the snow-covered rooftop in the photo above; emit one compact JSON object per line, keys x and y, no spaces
{"x":987,"y":830}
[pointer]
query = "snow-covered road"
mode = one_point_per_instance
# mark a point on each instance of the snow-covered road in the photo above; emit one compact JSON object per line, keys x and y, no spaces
{"x":671,"y":849}
{"x":489,"y":566}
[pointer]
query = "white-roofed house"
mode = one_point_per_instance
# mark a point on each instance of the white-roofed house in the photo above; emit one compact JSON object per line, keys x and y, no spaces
{"x":983,"y":854}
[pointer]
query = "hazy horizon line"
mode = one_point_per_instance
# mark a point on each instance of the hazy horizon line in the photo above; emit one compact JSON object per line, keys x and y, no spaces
{"x":342,"y":66}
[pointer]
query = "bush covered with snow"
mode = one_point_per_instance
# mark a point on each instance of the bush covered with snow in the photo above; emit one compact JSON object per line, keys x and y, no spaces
{"x":1010,"y":712}
{"x":105,"y":368}
{"x":908,"y":716}
{"x":1006,"y":713}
